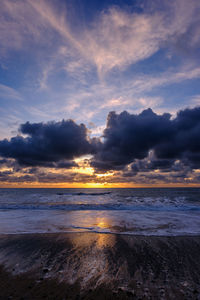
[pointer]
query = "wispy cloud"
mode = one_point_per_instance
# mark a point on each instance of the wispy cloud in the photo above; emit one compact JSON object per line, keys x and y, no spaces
{"x":7,"y":92}
{"x":17,"y":26}
{"x":194,"y":101}
{"x":117,"y":38}
{"x":146,"y":83}
{"x":120,"y":38}
{"x":131,"y":94}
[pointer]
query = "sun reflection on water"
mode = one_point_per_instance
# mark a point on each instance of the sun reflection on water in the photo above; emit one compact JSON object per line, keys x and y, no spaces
{"x":91,"y":239}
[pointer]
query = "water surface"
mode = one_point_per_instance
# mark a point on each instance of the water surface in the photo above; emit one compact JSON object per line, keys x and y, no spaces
{"x":155,"y":211}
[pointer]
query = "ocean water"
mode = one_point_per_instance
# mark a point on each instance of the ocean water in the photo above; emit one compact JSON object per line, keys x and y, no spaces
{"x":153,"y":211}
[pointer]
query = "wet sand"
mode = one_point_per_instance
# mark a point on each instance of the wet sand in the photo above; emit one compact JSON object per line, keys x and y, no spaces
{"x":99,"y":266}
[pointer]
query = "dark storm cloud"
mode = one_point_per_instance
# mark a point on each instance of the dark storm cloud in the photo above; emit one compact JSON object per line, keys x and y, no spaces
{"x":174,"y":144}
{"x":184,"y":143}
{"x":48,"y":143}
{"x":7,"y":162}
{"x":5,"y":173}
{"x":15,"y":179}
{"x":130,"y":137}
{"x":3,"y":162}
{"x":147,"y":164}
{"x":63,"y":164}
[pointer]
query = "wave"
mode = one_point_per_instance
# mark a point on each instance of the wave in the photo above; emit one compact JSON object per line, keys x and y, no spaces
{"x":98,"y":207}
{"x":84,"y":194}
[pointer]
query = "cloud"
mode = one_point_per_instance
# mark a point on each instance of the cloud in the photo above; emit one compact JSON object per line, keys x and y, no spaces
{"x":127,"y":139}
{"x":130,"y":137}
{"x":151,"y":164}
{"x":17,"y":26}
{"x":47,"y":143}
{"x":135,"y":147}
{"x":133,"y":94}
{"x":44,"y":175}
{"x":117,"y":37}
{"x":184,"y":143}
{"x":147,"y":83}
{"x":7,"y":92}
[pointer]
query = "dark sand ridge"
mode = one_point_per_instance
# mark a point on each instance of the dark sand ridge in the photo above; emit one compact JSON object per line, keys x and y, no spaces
{"x":99,"y":266}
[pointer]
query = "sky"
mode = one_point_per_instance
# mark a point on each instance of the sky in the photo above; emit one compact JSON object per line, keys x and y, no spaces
{"x":99,"y":93}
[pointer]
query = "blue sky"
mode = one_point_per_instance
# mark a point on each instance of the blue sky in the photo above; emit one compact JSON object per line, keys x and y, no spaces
{"x":82,"y":59}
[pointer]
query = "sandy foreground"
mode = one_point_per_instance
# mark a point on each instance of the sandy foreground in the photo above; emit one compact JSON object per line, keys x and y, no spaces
{"x":99,"y":266}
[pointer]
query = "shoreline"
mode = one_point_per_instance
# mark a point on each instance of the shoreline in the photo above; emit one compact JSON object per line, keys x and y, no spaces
{"x":99,"y":266}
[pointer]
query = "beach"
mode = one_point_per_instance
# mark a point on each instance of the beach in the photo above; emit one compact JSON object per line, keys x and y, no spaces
{"x":99,"y":266}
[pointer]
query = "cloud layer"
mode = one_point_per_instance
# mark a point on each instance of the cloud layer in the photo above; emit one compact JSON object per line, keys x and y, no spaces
{"x":131,"y":145}
{"x":47,"y":143}
{"x":128,"y":137}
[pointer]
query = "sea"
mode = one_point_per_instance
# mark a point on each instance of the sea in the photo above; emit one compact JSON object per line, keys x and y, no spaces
{"x":136,"y":211}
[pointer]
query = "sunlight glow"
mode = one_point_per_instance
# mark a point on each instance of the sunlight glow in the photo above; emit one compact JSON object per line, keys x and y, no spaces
{"x":105,"y":175}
